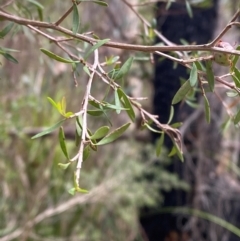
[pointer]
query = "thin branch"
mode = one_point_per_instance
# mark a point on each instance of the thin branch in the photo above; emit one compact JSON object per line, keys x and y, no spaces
{"x":225,"y":29}
{"x":133,"y":47}
{"x":65,"y":14}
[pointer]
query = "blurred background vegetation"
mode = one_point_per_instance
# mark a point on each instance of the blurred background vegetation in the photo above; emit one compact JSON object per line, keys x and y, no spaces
{"x":122,"y":177}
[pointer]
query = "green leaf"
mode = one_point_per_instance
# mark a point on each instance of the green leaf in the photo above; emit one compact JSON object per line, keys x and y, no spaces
{"x":61,"y":138}
{"x":171,"y":115}
{"x":199,"y":65}
{"x":64,"y":166}
{"x":207,"y":109}
{"x":100,"y":133}
{"x":232,"y":93}
{"x":193,"y":75}
{"x":86,"y":153}
{"x":117,"y":101}
{"x":182,"y":92}
{"x":126,"y":103}
{"x":77,"y":135}
{"x":236,"y":80}
{"x":75,"y":19}
{"x":114,"y":135}
{"x":63,"y":105}
{"x":49,"y":130}
{"x":54,"y":104}
{"x":95,"y":46}
{"x":159,"y":144}
{"x":95,"y":112}
{"x":237,"y":118}
{"x":152,"y":129}
{"x":236,"y":57}
{"x":37,"y":4}
{"x":6,"y":30}
{"x":72,"y":191}
{"x":86,"y":70}
{"x":189,"y":9}
{"x":225,"y":125}
{"x":236,"y":77}
{"x":9,"y":57}
{"x":56,"y":57}
{"x":124,"y":69}
{"x":102,"y":3}
{"x":210,"y":75}
{"x":178,"y":152}
{"x":173,"y":151}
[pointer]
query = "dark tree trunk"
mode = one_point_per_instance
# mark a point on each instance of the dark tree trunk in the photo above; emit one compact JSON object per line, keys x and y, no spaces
{"x":175,"y":24}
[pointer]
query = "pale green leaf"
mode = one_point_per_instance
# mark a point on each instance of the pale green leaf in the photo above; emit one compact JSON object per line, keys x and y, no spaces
{"x":6,"y":30}
{"x":193,"y":75}
{"x":95,"y":46}
{"x":64,"y":166}
{"x":117,"y":102}
{"x":160,"y":144}
{"x":182,"y":92}
{"x":126,"y":103}
{"x":100,"y":133}
{"x":61,"y":138}
{"x":75,"y":19}
{"x":210,"y":75}
{"x":237,"y":118}
{"x":56,"y":57}
{"x":124,"y":69}
{"x":114,"y":135}
{"x":49,"y":130}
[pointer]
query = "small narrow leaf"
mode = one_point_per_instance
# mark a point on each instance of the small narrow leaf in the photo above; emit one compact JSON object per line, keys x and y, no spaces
{"x":126,"y":103}
{"x":86,"y":153}
{"x":114,"y":135}
{"x":207,"y":109}
{"x":171,"y":115}
{"x":64,"y":166}
{"x":100,"y":133}
{"x":102,"y":3}
{"x":56,"y":57}
{"x":236,"y":77}
{"x":160,"y":144}
{"x":75,"y":20}
{"x":6,"y":30}
{"x":117,"y":102}
{"x":37,"y":4}
{"x":63,"y":104}
{"x":210,"y":75}
{"x":193,"y":75}
{"x":86,"y":70}
{"x":237,"y":118}
{"x":61,"y":138}
{"x":182,"y":92}
{"x":124,"y":69}
{"x":72,"y":191}
{"x":9,"y":57}
{"x":95,"y":46}
{"x":54,"y":104}
{"x":236,"y":57}
{"x":152,"y":129}
{"x":49,"y":130}
{"x":189,"y":9}
{"x":236,"y":80}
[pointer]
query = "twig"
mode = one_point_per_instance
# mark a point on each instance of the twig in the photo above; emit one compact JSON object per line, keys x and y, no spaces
{"x":65,"y":14}
{"x":84,"y":117}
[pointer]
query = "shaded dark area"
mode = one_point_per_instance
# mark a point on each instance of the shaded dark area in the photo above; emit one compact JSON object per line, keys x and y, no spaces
{"x":175,"y":24}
